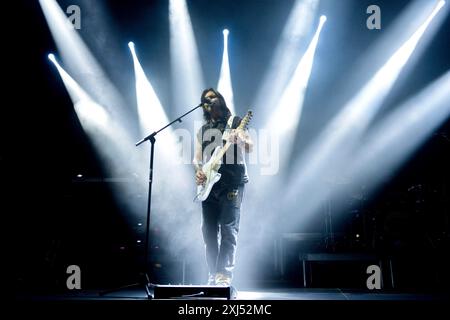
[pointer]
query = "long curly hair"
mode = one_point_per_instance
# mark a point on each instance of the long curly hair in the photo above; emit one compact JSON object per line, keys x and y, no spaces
{"x":222,"y":104}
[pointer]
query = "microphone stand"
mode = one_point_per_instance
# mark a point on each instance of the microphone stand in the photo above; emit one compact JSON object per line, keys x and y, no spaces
{"x":152,"y":138}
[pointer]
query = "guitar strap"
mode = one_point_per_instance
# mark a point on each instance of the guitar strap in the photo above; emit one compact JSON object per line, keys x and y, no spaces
{"x":228,"y":127}
{"x":230,"y":122}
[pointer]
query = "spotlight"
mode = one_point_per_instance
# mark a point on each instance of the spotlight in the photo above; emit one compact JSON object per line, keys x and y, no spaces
{"x":185,"y":62}
{"x":150,"y":110}
{"x":415,"y":120}
{"x":323,"y":19}
{"x":347,"y":128}
{"x":286,"y":56}
{"x":139,"y":241}
{"x":77,"y":56}
{"x":291,"y":100}
{"x":51,"y":57}
{"x":79,"y":175}
{"x":441,"y":3}
{"x":224,"y":85}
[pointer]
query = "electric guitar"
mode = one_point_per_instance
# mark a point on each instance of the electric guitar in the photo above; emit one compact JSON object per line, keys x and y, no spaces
{"x":211,"y":168}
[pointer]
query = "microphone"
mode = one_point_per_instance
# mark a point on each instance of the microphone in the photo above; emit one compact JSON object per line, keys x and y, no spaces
{"x":207,"y":105}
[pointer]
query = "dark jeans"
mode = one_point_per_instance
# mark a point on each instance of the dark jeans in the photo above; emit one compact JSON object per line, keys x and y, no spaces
{"x":220,"y":227}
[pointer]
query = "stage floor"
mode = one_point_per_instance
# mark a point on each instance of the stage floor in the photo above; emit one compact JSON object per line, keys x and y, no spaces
{"x":307,"y":294}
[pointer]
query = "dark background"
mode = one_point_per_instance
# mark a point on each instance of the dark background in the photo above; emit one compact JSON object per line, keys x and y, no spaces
{"x":58,"y":221}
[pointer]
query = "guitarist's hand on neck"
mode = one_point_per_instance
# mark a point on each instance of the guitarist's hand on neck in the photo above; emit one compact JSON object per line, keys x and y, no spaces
{"x":235,"y":137}
{"x":242,"y":139}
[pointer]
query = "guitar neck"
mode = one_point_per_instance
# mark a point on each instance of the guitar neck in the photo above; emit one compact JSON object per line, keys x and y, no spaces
{"x":227,"y":145}
{"x":224,"y":149}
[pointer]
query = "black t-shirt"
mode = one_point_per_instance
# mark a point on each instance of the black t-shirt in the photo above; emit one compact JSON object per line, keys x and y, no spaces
{"x":233,"y":168}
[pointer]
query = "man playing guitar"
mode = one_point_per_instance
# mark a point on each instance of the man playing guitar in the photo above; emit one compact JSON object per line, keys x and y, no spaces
{"x":221,"y":206}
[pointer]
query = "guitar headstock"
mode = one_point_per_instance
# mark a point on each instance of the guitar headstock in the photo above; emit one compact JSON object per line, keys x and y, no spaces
{"x":245,"y":121}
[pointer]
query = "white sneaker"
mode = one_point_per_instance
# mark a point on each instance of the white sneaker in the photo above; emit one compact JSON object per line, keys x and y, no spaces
{"x":223,"y":280}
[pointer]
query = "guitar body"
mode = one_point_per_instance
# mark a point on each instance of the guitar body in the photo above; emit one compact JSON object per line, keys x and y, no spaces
{"x":211,"y":170}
